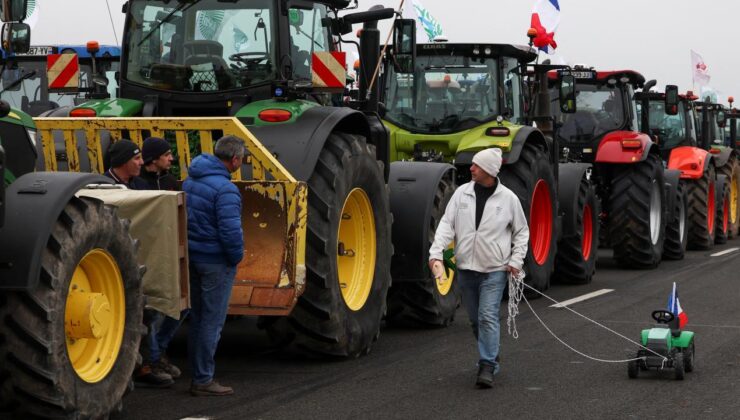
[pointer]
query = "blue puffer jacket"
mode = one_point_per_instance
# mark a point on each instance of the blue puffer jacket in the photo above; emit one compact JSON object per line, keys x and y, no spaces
{"x":214,"y":213}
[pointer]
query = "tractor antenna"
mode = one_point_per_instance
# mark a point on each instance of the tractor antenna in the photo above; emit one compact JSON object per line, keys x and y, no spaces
{"x":110,"y":15}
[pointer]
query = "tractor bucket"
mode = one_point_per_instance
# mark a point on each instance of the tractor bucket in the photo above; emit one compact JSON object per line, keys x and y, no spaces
{"x":272,"y":274}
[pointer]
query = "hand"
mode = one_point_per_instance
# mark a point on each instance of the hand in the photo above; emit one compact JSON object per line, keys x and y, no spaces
{"x":431,"y":264}
{"x":513,"y":270}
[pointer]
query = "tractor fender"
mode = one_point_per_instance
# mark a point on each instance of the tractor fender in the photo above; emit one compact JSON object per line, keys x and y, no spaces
{"x":413,"y":186}
{"x":34,"y":203}
{"x":569,"y":184}
{"x":610,"y":148}
{"x":683,"y":340}
{"x":672,"y":178}
{"x":691,"y":161}
{"x":524,"y":135}
{"x":721,"y":158}
{"x":297,"y":145}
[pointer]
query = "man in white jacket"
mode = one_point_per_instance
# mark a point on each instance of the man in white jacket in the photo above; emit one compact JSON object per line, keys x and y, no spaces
{"x":487,"y":223}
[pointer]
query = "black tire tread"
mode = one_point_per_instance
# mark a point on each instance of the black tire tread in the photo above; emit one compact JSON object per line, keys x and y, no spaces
{"x":570,"y":266}
{"x":700,"y":236}
{"x":674,"y":247}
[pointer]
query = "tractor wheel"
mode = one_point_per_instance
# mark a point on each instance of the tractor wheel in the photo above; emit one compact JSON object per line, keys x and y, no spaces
{"x":688,"y":357}
{"x":636,"y":222}
{"x":71,"y":343}
{"x":676,"y":232}
{"x":576,"y":258}
{"x":633,"y":369}
{"x":678,"y":366}
{"x":426,"y":302}
{"x":731,"y":170}
{"x":348,"y":254}
{"x":702,"y":210}
{"x":531,"y":179}
{"x":722,"y":224}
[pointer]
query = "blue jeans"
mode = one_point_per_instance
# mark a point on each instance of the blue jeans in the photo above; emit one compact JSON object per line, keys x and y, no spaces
{"x":482,"y":294}
{"x":210,"y":290}
{"x":162,"y":330}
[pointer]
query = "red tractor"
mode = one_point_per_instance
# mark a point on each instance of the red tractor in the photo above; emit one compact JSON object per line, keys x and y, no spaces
{"x":597,"y":122}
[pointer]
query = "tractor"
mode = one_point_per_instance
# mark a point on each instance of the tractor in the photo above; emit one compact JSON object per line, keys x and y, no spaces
{"x":461,"y":98}
{"x":667,"y":346}
{"x":602,"y":127}
{"x":274,"y":67}
{"x":71,"y":299}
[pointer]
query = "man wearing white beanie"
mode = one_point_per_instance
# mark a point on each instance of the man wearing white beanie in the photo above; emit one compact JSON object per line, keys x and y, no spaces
{"x":488,"y":225}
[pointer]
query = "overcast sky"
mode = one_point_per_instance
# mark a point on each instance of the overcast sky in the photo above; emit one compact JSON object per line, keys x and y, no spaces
{"x":653,"y":37}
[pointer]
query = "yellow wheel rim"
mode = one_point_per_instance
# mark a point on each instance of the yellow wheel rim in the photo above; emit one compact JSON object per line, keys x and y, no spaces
{"x":733,"y":199}
{"x":356,"y":251}
{"x":94,"y":316}
{"x":444,"y":287}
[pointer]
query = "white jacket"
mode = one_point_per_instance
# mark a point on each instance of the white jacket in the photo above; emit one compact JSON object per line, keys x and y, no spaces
{"x":501,"y":238}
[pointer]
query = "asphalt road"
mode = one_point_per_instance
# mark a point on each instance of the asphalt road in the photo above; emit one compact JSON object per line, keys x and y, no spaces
{"x":430,"y":374}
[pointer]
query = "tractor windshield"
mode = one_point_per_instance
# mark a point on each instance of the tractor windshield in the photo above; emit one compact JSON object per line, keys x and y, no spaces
{"x":448,"y":93}
{"x":200,"y":45}
{"x":25,"y":82}
{"x":670,"y":129}
{"x":601,"y":108}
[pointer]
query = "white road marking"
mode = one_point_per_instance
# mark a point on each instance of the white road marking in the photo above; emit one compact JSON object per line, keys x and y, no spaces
{"x":197,"y":418}
{"x":726,"y":251}
{"x":582,"y":298}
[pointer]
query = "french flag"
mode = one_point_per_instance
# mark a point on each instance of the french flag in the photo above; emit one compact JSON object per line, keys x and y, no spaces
{"x":545,"y":20}
{"x":675,"y":307}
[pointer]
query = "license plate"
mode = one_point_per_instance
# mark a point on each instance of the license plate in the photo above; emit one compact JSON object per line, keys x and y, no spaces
{"x":38,"y":50}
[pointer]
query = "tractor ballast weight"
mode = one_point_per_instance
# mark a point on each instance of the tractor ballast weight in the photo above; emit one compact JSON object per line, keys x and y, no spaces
{"x":41,"y":197}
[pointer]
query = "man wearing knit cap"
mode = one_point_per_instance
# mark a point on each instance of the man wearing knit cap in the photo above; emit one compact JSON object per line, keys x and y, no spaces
{"x":125,"y":161}
{"x":488,"y":225}
{"x":158,"y":159}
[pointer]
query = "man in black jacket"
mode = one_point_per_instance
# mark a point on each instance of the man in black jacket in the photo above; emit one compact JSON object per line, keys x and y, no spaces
{"x":157,"y":163}
{"x":124,"y":160}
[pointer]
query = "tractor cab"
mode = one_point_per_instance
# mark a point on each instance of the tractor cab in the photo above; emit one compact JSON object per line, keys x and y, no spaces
{"x":711,"y":121}
{"x":671,"y":122}
{"x":455,"y":87}
{"x":604,"y":105}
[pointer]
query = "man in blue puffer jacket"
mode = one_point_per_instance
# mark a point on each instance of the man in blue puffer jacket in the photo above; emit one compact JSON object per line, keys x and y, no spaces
{"x":216,"y":246}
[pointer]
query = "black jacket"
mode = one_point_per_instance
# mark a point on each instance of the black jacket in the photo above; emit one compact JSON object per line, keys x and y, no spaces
{"x":135,"y":183}
{"x":157,"y":181}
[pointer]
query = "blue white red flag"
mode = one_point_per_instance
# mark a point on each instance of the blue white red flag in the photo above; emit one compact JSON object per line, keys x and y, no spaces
{"x":675,"y":307}
{"x":545,"y":20}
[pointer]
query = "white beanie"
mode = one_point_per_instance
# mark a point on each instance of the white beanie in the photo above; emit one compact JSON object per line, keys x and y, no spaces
{"x":489,"y":160}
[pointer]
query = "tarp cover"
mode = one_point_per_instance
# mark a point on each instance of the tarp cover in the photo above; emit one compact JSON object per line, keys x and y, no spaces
{"x":154,"y":223}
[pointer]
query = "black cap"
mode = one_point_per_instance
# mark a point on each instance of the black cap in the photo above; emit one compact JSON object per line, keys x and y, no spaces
{"x":153,"y":148}
{"x":122,"y":151}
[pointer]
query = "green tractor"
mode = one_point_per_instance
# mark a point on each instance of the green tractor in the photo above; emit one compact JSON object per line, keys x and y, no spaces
{"x":71,"y":299}
{"x":459,"y":99}
{"x":667,"y":346}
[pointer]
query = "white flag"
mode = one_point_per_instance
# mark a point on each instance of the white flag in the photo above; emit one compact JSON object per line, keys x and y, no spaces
{"x":699,"y":70}
{"x":425,"y":22}
{"x":32,"y":14}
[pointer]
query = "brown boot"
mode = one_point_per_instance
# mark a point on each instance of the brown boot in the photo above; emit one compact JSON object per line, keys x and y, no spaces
{"x":212,"y":388}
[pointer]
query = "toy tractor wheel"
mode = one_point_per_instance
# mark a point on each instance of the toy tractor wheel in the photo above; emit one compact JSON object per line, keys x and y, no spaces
{"x":722,"y":226}
{"x":731,"y":170}
{"x":576,"y":258}
{"x":348,"y":254}
{"x":531,"y":179}
{"x":678,"y":366}
{"x":70,"y":344}
{"x":427,"y":302}
{"x":633,"y":368}
{"x":702,"y":210}
{"x":636,"y":222}
{"x":688,"y":357}
{"x":676,"y":230}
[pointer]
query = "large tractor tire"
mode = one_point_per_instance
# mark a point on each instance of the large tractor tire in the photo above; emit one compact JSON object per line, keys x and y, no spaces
{"x":576,"y":259}
{"x":636,"y":215}
{"x":531,"y":179}
{"x":676,"y":230}
{"x":427,"y":302}
{"x":69,"y":346}
{"x":731,"y":170}
{"x":348,"y":254}
{"x":702,"y":209}
{"x":722,"y":224}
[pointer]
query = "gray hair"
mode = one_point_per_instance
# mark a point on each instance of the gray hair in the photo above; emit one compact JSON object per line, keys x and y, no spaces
{"x":228,"y":147}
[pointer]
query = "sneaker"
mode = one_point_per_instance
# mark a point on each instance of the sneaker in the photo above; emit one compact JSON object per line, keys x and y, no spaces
{"x":165,"y":365}
{"x":212,"y":388}
{"x":149,"y":377}
{"x":485,"y":376}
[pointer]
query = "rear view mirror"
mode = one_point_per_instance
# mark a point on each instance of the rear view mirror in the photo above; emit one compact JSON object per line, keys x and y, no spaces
{"x":671,"y":99}
{"x":404,"y":45}
{"x":721,"y":118}
{"x":567,"y":94}
{"x":13,"y":10}
{"x":16,"y":37}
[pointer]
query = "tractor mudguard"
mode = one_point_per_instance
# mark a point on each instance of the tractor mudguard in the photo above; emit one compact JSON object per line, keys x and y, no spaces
{"x":721,"y":158}
{"x":297,"y":145}
{"x":413,"y":183}
{"x":568,"y":187}
{"x":34,"y":203}
{"x":672,"y":178}
{"x":523,"y":135}
{"x":683,"y":340}
{"x":691,"y":161}
{"x":611,"y":149}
